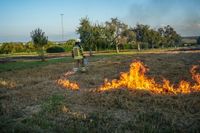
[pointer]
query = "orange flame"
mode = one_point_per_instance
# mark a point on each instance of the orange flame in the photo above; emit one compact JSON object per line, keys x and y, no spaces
{"x":136,"y":79}
{"x":67,"y":84}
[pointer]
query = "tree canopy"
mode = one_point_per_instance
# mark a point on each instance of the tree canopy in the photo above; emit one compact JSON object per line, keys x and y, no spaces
{"x":115,"y":33}
{"x":39,"y":40}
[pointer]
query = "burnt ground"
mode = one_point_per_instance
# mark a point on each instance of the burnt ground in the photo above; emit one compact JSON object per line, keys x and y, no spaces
{"x":32,"y":101}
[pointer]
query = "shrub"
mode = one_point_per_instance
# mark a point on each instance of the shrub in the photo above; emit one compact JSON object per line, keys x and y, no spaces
{"x":68,"y":45}
{"x":55,"y":49}
{"x":7,"y":48}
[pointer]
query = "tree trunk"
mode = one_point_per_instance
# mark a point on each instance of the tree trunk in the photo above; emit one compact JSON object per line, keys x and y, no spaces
{"x":163,"y":46}
{"x":90,"y":52}
{"x":96,"y":49}
{"x":152,"y":46}
{"x":138,"y":46}
{"x":117,"y":48}
{"x":42,"y":54}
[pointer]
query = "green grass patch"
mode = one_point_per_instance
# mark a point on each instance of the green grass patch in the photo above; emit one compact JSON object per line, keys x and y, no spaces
{"x":31,"y":64}
{"x":11,"y":66}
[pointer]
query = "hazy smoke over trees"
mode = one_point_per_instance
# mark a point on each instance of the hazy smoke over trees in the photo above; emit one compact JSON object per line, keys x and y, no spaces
{"x":184,"y":15}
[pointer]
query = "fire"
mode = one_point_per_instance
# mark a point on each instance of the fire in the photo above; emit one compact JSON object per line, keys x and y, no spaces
{"x":67,"y":84}
{"x":136,"y":79}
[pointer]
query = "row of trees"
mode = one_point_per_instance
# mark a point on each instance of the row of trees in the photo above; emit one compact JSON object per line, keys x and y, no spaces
{"x":115,"y":34}
{"x":18,"y":47}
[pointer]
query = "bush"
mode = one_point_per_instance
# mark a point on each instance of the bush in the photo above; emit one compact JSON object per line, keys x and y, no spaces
{"x":55,"y":49}
{"x":7,"y":48}
{"x":68,"y":48}
{"x":68,"y":45}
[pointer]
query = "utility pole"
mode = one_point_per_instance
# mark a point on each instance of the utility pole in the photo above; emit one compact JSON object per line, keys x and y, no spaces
{"x":62,"y":28}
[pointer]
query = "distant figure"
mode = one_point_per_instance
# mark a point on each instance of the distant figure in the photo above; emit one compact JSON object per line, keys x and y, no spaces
{"x":77,"y":54}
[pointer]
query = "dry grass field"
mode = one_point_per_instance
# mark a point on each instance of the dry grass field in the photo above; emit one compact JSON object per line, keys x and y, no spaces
{"x":32,"y":101}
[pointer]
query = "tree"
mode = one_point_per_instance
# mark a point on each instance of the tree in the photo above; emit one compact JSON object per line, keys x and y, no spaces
{"x":141,"y":32}
{"x":154,"y":38}
{"x":92,"y":36}
{"x":163,"y":40}
{"x":198,"y":40}
{"x":131,"y":36}
{"x":127,"y":37}
{"x":115,"y":28}
{"x":84,"y":30}
{"x":172,"y":38}
{"x":39,"y":40}
{"x":97,"y":36}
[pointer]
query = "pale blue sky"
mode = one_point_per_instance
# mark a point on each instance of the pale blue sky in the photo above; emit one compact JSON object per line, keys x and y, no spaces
{"x":19,"y":17}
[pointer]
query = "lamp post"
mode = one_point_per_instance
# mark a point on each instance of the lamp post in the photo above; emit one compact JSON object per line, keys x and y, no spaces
{"x":62,"y":28}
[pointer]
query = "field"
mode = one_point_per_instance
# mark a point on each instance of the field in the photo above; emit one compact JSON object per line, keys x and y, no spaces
{"x":32,"y":101}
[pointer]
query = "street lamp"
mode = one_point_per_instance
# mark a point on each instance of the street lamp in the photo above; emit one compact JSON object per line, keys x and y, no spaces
{"x":62,"y":28}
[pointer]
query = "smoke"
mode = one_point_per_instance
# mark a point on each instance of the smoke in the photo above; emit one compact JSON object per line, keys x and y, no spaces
{"x":183,"y":15}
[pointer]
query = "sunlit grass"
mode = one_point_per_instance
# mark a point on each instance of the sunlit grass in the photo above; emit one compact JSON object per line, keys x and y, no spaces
{"x":31,"y":64}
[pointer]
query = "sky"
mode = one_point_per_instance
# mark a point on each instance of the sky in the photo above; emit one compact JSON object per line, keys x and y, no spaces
{"x":19,"y":17}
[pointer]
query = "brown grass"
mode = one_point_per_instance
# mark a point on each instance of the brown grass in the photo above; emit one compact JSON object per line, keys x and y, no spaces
{"x":32,"y":101}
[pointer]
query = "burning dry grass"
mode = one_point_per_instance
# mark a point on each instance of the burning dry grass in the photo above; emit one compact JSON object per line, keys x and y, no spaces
{"x":136,"y":79}
{"x":67,"y":84}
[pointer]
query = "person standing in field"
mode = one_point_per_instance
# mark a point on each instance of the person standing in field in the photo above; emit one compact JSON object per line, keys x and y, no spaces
{"x":77,"y":54}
